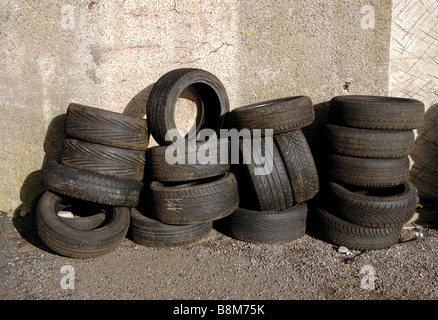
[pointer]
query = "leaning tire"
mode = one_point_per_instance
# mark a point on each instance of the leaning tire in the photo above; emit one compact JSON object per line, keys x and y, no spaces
{"x":342,"y":233}
{"x":205,"y":201}
{"x":378,"y":208}
{"x":281,"y":115}
{"x":108,"y":161}
{"x":368,"y":173}
{"x":74,"y":243}
{"x":91,"y":186}
{"x":366,"y":143}
{"x":153,"y":233}
{"x":162,"y":100}
{"x":299,"y":164}
{"x":377,"y":112}
{"x":268,"y":227}
{"x":106,"y":127}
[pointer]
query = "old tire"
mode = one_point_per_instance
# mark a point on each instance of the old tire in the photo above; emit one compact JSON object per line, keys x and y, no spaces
{"x":267,"y":227}
{"x":114,"y":162}
{"x":367,"y":143}
{"x":153,"y":233}
{"x":368,"y":173}
{"x":300,"y":166}
{"x":91,"y":186}
{"x":377,"y":112}
{"x":281,"y":115}
{"x":106,"y":127}
{"x":74,"y":243}
{"x":342,"y":233}
{"x":207,"y":200}
{"x":160,"y":108}
{"x":375,"y":208}
{"x":191,"y":168}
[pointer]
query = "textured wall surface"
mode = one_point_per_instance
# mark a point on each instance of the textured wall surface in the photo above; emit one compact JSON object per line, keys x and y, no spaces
{"x":414,"y":50}
{"x":108,"y":54}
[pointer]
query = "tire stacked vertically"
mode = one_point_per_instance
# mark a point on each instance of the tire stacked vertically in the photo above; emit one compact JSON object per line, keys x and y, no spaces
{"x":100,"y":171}
{"x":184,"y":198}
{"x":369,"y":196}
{"x":273,"y":196}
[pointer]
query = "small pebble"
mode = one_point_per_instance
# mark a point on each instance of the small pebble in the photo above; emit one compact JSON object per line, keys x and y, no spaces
{"x":342,"y":249}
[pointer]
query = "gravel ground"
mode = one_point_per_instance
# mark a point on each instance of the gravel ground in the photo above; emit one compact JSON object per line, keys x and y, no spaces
{"x":218,"y":268}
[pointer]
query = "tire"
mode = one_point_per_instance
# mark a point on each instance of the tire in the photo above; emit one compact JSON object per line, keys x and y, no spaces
{"x":153,"y":233}
{"x":206,"y":201}
{"x":378,"y":208}
{"x":281,"y":115}
{"x":368,"y":173}
{"x":342,"y":233}
{"x":113,"y":162}
{"x":91,"y":186}
{"x":300,"y":166}
{"x":367,"y":143}
{"x":268,"y":227}
{"x":159,"y":169}
{"x":377,"y":112}
{"x":263,"y":191}
{"x":161,"y":103}
{"x":74,"y":243}
{"x":106,"y":127}
{"x":87,"y":222}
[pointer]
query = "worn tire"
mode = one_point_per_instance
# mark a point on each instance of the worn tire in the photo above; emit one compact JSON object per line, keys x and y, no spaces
{"x":342,"y":233}
{"x":281,"y":115}
{"x":368,"y":173}
{"x":207,"y":200}
{"x":160,"y":108}
{"x":74,"y":243}
{"x":106,"y":127}
{"x":91,"y":186}
{"x":153,"y":233}
{"x":114,"y":162}
{"x":300,"y":166}
{"x":158,"y":169}
{"x":265,"y":191}
{"x":375,"y":208}
{"x":268,"y":227}
{"x":377,"y":112}
{"x":367,"y":143}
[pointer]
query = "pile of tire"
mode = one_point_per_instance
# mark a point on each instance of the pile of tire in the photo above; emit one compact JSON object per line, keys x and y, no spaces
{"x":273,"y":205}
{"x":182,"y":199}
{"x":368,"y":197}
{"x":99,"y":176}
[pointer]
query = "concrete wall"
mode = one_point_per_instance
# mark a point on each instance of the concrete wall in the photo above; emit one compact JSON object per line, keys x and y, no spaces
{"x":108,"y":54}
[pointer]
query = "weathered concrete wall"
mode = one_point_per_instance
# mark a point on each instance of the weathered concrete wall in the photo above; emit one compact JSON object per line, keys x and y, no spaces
{"x":108,"y":54}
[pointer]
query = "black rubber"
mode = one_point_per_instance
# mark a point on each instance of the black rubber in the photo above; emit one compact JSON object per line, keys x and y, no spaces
{"x":368,"y":173}
{"x":368,"y":143}
{"x":342,"y":233}
{"x":91,"y":186}
{"x":375,"y":208}
{"x":281,"y":115}
{"x":106,"y":127}
{"x":153,"y":233}
{"x":300,"y":166}
{"x":267,"y":227}
{"x":114,"y":162}
{"x":267,"y":191}
{"x":74,"y":243}
{"x":162,"y":100}
{"x":158,"y":168}
{"x":207,"y":200}
{"x":377,"y":112}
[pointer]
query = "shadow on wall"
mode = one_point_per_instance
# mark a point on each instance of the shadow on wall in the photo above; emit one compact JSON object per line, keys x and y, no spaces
{"x":137,"y":106}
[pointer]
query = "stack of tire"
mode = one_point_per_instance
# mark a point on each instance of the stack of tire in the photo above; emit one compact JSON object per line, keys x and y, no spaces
{"x":183,"y":199}
{"x":273,"y":205}
{"x":369,"y":196}
{"x":100,"y":171}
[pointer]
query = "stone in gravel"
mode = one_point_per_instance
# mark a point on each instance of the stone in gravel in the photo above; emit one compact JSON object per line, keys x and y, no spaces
{"x":343,"y":249}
